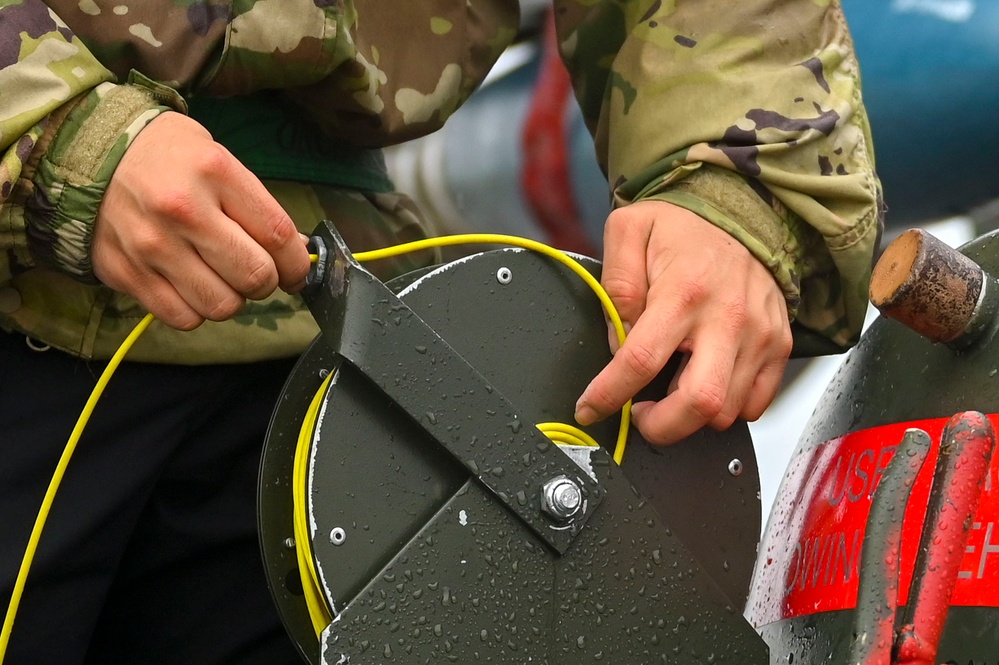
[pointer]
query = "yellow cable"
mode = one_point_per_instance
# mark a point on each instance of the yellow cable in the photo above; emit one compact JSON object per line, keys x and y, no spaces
{"x":57,"y":476}
{"x":541,"y":248}
{"x":558,"y":432}
{"x":568,"y":434}
{"x":315,"y":601}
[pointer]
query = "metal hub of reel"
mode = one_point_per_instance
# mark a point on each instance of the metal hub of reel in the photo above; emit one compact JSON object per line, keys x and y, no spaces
{"x":444,"y":526}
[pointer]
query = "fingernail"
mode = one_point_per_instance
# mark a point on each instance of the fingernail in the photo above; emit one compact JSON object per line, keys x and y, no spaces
{"x":585,"y":415}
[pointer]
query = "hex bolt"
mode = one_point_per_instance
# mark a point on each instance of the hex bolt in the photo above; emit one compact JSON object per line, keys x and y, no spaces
{"x":338,"y":536}
{"x":561,"y":498}
{"x":735,"y":467}
{"x":504,"y":275}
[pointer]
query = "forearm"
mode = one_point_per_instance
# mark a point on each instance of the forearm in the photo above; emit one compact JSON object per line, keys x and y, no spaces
{"x":766,"y":91}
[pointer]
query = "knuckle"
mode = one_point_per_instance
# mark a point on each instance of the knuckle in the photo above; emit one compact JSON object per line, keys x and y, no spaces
{"x":177,"y":204}
{"x":224,"y":308}
{"x":600,"y":399}
{"x":640,"y":360}
{"x":146,"y":243}
{"x":179,"y":316}
{"x":785,"y":341}
{"x":723,"y":421}
{"x":691,"y":292}
{"x":281,"y":231}
{"x":186,"y":322}
{"x":753,"y":411}
{"x":212,"y":159}
{"x":618,"y":218}
{"x":625,"y":293}
{"x":260,"y":280}
{"x":707,"y":401}
{"x":656,"y":437}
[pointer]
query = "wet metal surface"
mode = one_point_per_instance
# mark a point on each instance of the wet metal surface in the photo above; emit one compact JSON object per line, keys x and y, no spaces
{"x":877,"y":597}
{"x":432,"y":567}
{"x":958,"y":480}
{"x":370,"y":327}
{"x":894,"y":377}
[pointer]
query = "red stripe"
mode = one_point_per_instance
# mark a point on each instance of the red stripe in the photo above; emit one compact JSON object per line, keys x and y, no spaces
{"x":809,"y":561}
{"x":545,"y":178}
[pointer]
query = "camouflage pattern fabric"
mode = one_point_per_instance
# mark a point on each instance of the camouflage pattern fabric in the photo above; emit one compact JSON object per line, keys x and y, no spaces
{"x":748,"y":113}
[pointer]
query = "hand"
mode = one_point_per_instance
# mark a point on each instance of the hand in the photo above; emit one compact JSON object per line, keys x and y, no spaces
{"x":189,"y":232}
{"x":682,"y":284}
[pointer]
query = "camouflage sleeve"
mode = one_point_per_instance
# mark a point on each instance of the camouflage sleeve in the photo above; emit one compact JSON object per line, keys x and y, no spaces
{"x":748,"y":113}
{"x":368,"y":72}
{"x":391,"y":71}
{"x":63,"y":127}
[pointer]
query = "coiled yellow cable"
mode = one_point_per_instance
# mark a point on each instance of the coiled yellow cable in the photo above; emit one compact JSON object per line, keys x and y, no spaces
{"x":315,"y":600}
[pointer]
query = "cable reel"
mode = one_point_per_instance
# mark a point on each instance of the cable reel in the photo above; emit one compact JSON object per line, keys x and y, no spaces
{"x":439,"y":521}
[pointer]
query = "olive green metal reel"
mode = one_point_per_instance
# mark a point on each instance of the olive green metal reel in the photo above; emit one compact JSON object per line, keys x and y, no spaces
{"x":444,"y":526}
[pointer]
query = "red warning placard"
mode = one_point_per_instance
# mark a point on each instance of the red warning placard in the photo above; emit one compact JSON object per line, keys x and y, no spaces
{"x":810,"y":560}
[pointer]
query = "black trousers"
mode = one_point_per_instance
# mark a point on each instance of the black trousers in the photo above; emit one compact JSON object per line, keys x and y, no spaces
{"x":150,"y":554}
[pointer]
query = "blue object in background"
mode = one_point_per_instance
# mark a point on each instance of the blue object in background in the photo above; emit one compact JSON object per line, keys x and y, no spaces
{"x":930,"y":73}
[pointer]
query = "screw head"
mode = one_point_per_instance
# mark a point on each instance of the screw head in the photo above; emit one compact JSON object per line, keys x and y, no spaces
{"x":561,"y":498}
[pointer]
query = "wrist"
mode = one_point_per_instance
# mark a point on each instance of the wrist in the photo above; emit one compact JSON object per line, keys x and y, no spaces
{"x":73,"y":175}
{"x":772,"y":234}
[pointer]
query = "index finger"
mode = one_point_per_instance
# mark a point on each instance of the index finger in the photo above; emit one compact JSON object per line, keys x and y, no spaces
{"x":644,"y":354}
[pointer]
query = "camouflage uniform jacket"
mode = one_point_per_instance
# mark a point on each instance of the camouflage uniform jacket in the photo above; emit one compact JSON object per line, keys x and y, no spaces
{"x":748,"y":113}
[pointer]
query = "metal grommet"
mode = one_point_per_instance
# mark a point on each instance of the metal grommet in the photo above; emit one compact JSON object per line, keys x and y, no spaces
{"x":735,"y":467}
{"x":504,"y":275}
{"x":35,"y":345}
{"x":338,"y":536}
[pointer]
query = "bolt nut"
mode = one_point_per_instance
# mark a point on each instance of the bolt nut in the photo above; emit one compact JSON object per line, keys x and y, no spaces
{"x":561,"y":498}
{"x":317,"y":272}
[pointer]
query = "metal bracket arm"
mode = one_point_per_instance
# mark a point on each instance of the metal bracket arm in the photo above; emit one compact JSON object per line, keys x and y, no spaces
{"x":371,"y":328}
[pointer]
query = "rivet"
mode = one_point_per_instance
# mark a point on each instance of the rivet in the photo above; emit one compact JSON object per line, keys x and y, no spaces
{"x":338,"y":536}
{"x":504,"y":275}
{"x":735,"y":467}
